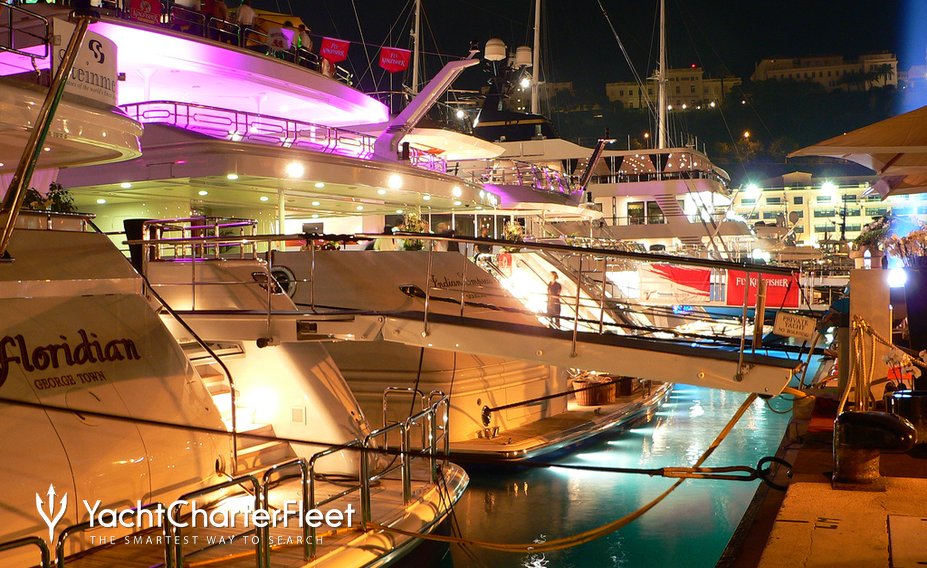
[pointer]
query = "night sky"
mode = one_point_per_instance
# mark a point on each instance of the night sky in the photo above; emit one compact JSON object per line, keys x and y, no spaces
{"x":723,"y":36}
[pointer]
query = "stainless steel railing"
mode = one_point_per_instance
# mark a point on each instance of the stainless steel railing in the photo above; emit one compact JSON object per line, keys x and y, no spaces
{"x":236,"y":126}
{"x":19,"y":38}
{"x":44,"y":558}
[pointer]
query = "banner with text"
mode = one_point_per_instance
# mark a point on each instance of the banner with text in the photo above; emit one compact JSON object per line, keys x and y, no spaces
{"x":781,"y":290}
{"x":394,"y":59}
{"x":94,"y":73}
{"x":334,"y":50}
{"x":145,"y":11}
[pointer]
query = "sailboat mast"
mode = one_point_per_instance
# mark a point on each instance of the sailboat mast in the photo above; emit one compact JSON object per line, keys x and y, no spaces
{"x":661,"y":81}
{"x":416,"y":54}
{"x":536,"y":60}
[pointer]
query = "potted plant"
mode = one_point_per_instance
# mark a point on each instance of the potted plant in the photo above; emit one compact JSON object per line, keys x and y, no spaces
{"x":515,"y":232}
{"x":872,"y":236}
{"x":412,"y":223}
{"x":57,"y":199}
{"x":912,"y":250}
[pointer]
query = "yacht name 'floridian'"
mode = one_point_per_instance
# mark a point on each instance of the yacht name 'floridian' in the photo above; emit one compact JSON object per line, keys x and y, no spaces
{"x":55,"y":355}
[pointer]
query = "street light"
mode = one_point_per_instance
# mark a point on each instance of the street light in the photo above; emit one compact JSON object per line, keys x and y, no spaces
{"x":746,"y":134}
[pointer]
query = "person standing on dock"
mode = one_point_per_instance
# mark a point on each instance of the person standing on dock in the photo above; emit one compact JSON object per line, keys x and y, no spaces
{"x":553,"y":301}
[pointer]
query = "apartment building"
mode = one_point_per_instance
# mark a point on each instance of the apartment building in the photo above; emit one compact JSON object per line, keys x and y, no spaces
{"x":833,"y":72}
{"x":686,"y":88}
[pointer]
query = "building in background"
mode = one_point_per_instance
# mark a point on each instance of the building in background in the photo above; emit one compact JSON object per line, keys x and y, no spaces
{"x":833,"y":72}
{"x":826,"y":208}
{"x":685,"y":88}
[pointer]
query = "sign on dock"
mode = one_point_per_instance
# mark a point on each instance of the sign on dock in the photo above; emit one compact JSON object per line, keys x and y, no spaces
{"x":793,"y":325}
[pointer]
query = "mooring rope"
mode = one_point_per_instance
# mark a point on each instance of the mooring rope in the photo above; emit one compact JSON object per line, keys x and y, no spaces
{"x":586,"y":536}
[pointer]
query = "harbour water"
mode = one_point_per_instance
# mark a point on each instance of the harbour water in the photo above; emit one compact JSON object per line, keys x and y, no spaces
{"x":689,"y":528}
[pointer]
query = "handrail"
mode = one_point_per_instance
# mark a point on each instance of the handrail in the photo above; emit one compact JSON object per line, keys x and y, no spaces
{"x":44,"y":39}
{"x":175,"y":511}
{"x":236,"y":126}
{"x":528,"y":174}
{"x":113,"y":516}
{"x":529,"y":245}
{"x":313,"y":504}
{"x":29,"y":541}
{"x":304,"y":476}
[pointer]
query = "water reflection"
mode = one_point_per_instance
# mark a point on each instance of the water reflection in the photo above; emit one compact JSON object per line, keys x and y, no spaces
{"x":691,"y":527}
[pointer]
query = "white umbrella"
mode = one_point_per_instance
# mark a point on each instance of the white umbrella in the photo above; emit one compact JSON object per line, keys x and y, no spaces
{"x":896,"y":146}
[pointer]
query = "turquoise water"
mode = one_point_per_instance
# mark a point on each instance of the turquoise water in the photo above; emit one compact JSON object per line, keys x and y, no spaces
{"x":689,"y":528}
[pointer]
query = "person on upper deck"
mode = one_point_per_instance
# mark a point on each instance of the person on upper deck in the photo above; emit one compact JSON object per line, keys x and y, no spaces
{"x":303,"y":41}
{"x":245,"y":18}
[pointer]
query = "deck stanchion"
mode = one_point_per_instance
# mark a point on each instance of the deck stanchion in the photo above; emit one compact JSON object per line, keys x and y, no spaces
{"x":579,"y":279}
{"x":431,"y":261}
{"x":311,"y":274}
{"x":602,"y":296}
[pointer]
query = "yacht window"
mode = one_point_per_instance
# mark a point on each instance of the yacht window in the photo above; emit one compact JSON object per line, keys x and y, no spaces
{"x":636,"y":213}
{"x":654,"y":213}
{"x":798,"y":200}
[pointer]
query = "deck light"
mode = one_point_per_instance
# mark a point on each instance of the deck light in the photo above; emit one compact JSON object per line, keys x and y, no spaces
{"x":896,"y":278}
{"x":125,"y":185}
{"x":295,"y":170}
{"x":202,"y":192}
{"x":101,"y":201}
{"x":525,"y":83}
{"x":231,"y":177}
{"x":394,"y":181}
{"x":360,"y":207}
{"x":319,"y":185}
{"x":381,"y":191}
{"x":457,"y":203}
{"x":426,"y":197}
{"x":315,"y":215}
{"x":315,"y":203}
{"x":461,"y":114}
{"x":265,"y":198}
{"x":399,"y":212}
{"x":456,"y":191}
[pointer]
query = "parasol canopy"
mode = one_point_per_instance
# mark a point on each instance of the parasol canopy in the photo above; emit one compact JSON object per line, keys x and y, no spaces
{"x":895,"y":146}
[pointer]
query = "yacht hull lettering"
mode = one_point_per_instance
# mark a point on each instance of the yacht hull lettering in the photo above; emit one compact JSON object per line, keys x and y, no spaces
{"x":15,"y":350}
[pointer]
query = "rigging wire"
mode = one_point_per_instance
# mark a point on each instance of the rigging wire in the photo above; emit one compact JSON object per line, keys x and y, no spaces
{"x":627,"y":58}
{"x":360,"y":29}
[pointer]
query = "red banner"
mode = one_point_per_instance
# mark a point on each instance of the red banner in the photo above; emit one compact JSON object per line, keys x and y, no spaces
{"x":781,"y":290}
{"x":145,"y":11}
{"x":334,"y":50}
{"x":394,"y":59}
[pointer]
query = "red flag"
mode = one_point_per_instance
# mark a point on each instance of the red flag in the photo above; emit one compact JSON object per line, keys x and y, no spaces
{"x":334,"y":50}
{"x":394,"y":59}
{"x":146,"y":11}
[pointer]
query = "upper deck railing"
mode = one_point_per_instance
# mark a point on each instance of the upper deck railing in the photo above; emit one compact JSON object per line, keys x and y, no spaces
{"x":15,"y":35}
{"x":237,"y":126}
{"x":526,"y":174}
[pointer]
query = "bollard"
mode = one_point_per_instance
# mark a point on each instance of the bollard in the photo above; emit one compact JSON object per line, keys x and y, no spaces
{"x":859,"y":440}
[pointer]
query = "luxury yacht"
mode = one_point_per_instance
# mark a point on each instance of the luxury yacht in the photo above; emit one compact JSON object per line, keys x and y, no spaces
{"x":131,"y":440}
{"x":269,"y":147}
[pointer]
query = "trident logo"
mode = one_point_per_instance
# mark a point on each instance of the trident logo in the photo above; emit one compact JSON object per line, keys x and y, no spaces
{"x":51,"y":518}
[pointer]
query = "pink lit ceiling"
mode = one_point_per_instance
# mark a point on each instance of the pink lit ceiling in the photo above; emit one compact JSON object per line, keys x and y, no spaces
{"x":172,"y":66}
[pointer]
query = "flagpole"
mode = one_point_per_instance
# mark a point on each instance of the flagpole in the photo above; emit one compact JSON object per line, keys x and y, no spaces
{"x":415,"y":47}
